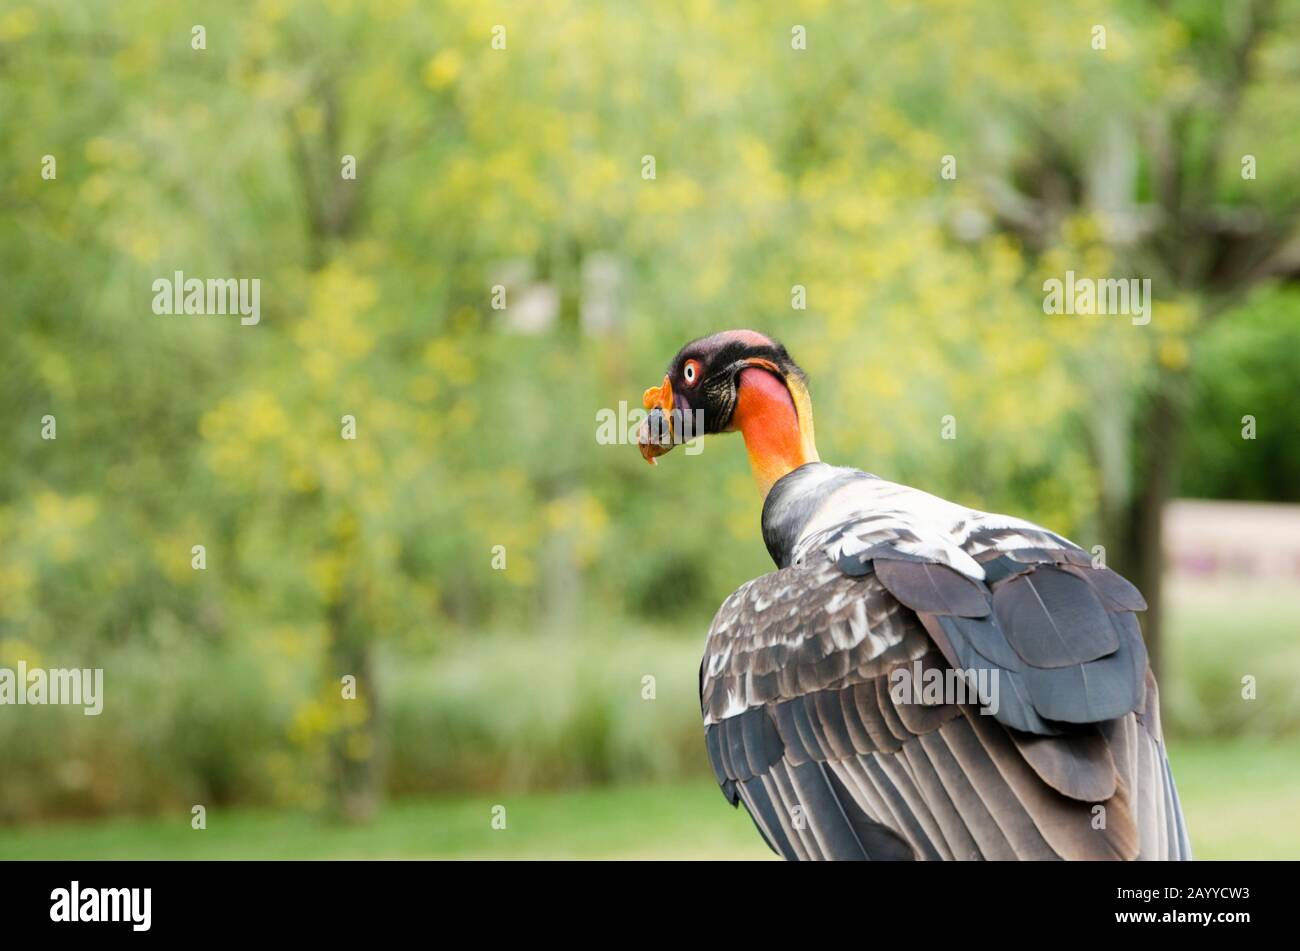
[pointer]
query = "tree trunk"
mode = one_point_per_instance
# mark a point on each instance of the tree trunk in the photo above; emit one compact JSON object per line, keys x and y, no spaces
{"x":354,"y":761}
{"x":1140,"y":539}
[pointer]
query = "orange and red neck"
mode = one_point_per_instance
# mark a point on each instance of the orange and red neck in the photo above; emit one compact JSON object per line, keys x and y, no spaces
{"x":774,"y":414}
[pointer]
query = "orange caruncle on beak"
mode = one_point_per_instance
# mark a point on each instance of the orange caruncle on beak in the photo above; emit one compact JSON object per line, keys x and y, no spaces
{"x":654,"y":436}
{"x":659,"y":397}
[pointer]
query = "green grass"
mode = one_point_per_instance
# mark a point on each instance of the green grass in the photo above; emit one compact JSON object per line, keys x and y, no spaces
{"x":1239,"y":798}
{"x":675,"y":821}
{"x":1220,"y":632}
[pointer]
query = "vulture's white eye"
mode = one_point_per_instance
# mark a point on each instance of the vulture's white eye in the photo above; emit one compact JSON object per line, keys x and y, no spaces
{"x":690,"y":372}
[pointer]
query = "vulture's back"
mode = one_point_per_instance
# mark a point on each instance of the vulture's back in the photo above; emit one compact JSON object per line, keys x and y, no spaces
{"x":921,"y":680}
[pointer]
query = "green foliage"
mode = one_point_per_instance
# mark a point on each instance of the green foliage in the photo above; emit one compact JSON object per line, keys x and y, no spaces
{"x":499,"y":713}
{"x":1247,"y":366}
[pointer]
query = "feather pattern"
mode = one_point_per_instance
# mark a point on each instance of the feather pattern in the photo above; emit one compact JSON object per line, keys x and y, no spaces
{"x":805,"y":724}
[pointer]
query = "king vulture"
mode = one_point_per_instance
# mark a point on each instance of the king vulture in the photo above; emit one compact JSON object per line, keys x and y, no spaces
{"x":1041,"y":739}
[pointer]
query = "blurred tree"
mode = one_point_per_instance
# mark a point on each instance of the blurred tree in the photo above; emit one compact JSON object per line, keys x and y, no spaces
{"x":476,"y":167}
{"x":1196,"y":188}
{"x":1245,"y":369}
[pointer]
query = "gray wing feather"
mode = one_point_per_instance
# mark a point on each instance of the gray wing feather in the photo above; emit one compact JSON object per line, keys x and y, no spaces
{"x":801,"y":727}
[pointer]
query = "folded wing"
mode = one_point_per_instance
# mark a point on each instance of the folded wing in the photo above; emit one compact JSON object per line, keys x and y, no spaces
{"x":1045,"y":744}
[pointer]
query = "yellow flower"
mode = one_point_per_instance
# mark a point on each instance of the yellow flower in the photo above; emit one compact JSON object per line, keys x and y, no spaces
{"x":446,"y":357}
{"x":308,"y":119}
{"x":99,"y":150}
{"x":17,"y":24}
{"x":1173,"y":353}
{"x":12,"y":651}
{"x":16,"y":583}
{"x":143,"y":246}
{"x":443,"y":69}
{"x":96,"y":190}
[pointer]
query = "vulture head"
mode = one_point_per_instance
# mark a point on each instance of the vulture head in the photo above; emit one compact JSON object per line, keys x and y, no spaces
{"x":737,"y":380}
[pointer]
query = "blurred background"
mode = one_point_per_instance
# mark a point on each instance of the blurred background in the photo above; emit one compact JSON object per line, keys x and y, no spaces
{"x":548,"y":200}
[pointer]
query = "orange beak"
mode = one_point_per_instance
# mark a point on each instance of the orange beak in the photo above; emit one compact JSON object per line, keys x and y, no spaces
{"x":654,"y":436}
